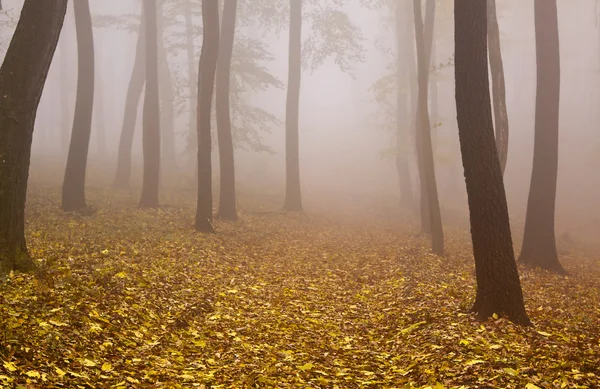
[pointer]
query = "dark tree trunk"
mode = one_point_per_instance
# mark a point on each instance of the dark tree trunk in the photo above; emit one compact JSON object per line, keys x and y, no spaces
{"x":167,"y":112}
{"x":293,"y":195}
{"x":73,"y":190}
{"x":539,"y":245}
{"x":424,"y":137}
{"x":498,"y":86}
{"x":402,"y":117}
{"x":151,"y":114}
{"x":22,"y":77}
{"x":132,"y":100}
{"x":498,"y":285}
{"x":206,"y":78}
{"x":227,"y":208}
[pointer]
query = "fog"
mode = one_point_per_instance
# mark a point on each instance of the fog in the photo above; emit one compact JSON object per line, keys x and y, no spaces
{"x":344,"y":167}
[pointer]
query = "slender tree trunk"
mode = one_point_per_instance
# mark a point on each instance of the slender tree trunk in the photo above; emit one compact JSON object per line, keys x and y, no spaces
{"x":99,"y":113}
{"x":424,"y":136}
{"x":409,"y":42}
{"x":293,"y":195}
{"x":151,"y":114}
{"x":498,"y":85}
{"x":402,"y":117}
{"x":498,"y":285}
{"x":192,"y":80}
{"x":539,"y":244}
{"x":73,"y":190}
{"x":206,"y":78}
{"x":66,"y":119}
{"x":22,"y":77}
{"x":132,"y":100}
{"x":433,"y":103}
{"x":227,"y":208}
{"x":167,"y":112}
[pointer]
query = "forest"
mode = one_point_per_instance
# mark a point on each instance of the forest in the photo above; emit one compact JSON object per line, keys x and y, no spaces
{"x":299,"y":194}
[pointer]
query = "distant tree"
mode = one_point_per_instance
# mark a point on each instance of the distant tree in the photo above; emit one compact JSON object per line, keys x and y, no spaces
{"x":498,"y":87}
{"x":498,"y":285}
{"x":192,"y":82}
{"x":539,"y":243}
{"x":73,"y":190}
{"x":424,"y":138}
{"x":293,"y":195}
{"x":132,"y":100}
{"x":64,"y":96}
{"x":227,"y":207}
{"x":206,"y":79}
{"x":151,"y":115}
{"x":22,"y":77}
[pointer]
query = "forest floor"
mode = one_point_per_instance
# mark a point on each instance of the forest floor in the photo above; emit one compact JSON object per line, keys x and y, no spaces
{"x":136,"y":298}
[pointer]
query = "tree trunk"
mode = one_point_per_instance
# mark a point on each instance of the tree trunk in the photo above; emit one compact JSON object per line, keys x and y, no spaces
{"x":293,"y":195}
{"x":192,"y":81}
{"x":498,"y":85}
{"x":402,"y":117}
{"x":539,"y":245}
{"x":22,"y":77}
{"x":73,"y":190}
{"x":424,"y":137}
{"x":65,"y":112}
{"x":206,"y":78}
{"x":167,"y":112}
{"x":99,"y":110}
{"x":151,"y":114}
{"x":498,"y":285}
{"x":409,"y":42}
{"x":132,"y":100}
{"x":227,"y":208}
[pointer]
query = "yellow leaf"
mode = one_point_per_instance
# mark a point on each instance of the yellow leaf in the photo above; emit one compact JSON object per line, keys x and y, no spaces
{"x":306,"y":367}
{"x":10,"y":366}
{"x":132,"y":380}
{"x":474,"y":362}
{"x":510,"y":371}
{"x":87,"y":362}
{"x":33,"y":374}
{"x":531,"y":386}
{"x":121,"y":275}
{"x":106,"y":366}
{"x":57,"y":323}
{"x":543,"y":333}
{"x":60,"y":372}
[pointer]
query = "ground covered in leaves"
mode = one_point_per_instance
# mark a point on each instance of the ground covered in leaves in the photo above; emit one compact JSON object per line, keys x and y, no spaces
{"x":135,"y":298}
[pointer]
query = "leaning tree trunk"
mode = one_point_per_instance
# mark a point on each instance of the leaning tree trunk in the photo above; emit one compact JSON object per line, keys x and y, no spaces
{"x":206,"y":77}
{"x":424,"y":136}
{"x":73,"y":190}
{"x":132,"y":100}
{"x":539,"y":244}
{"x":498,"y":285}
{"x":498,"y":85}
{"x":402,"y":130}
{"x":151,"y":114}
{"x":22,"y":77}
{"x":227,"y":208}
{"x":293,"y":195}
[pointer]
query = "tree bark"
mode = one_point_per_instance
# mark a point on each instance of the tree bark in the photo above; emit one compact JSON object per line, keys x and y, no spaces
{"x":22,"y":77}
{"x":132,"y":100}
{"x":498,"y":285}
{"x":65,"y":111}
{"x":424,"y":137}
{"x":498,"y":84}
{"x":539,"y":244}
{"x":206,"y":78}
{"x":192,"y":79}
{"x":293,"y":195}
{"x":100,"y":123}
{"x":227,"y":207}
{"x":73,"y":190}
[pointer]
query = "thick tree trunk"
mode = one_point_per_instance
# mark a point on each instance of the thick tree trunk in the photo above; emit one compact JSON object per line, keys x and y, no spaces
{"x":151,"y":114}
{"x":206,"y":78}
{"x":132,"y":100}
{"x":192,"y":81}
{"x":424,"y":136}
{"x":22,"y":77}
{"x":73,"y":190}
{"x":293,"y":195}
{"x":539,"y":244}
{"x":227,"y":208}
{"x":167,"y":112}
{"x":402,"y":116}
{"x":65,"y":112}
{"x":498,"y":285}
{"x":498,"y":85}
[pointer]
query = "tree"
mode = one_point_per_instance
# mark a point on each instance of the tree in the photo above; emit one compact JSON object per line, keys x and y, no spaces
{"x":424,"y":138}
{"x":206,"y":78}
{"x":22,"y":77}
{"x":73,"y":190}
{"x":498,"y":285}
{"x":132,"y":100}
{"x":151,"y":114}
{"x":539,"y":243}
{"x":293,"y":195}
{"x":227,"y":208}
{"x":192,"y":76}
{"x":498,"y":87}
{"x":64,"y":96}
